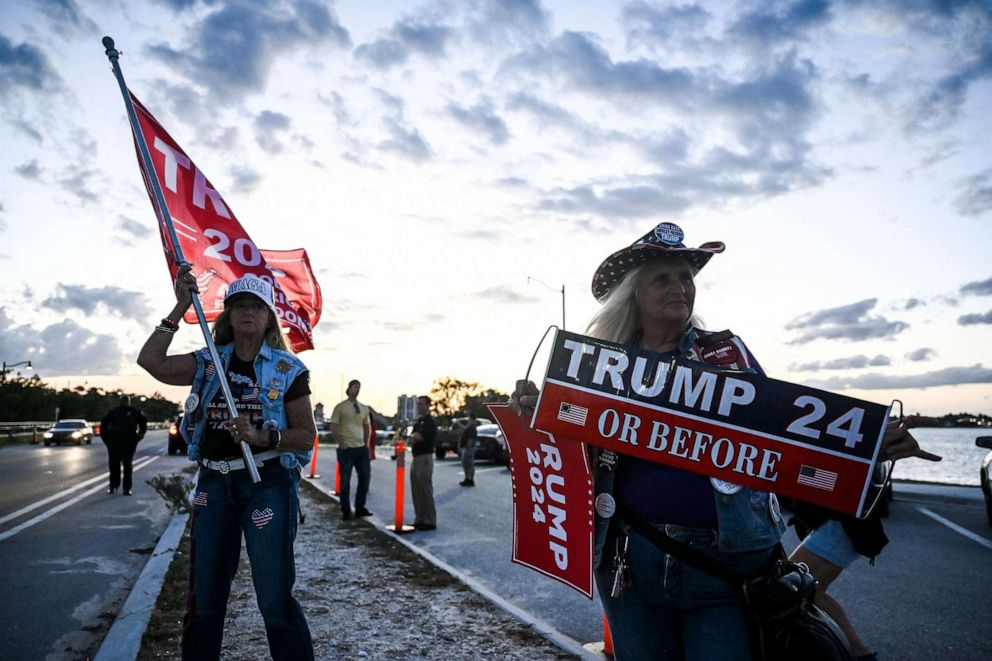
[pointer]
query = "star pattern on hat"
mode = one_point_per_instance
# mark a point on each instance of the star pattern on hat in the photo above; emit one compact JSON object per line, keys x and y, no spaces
{"x":615,"y":267}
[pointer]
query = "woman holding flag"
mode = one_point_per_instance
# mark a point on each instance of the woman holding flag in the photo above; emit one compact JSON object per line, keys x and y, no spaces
{"x":271,"y":389}
{"x":658,"y":606}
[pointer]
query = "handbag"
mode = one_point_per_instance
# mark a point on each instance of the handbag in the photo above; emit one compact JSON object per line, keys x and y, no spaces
{"x":779,"y":596}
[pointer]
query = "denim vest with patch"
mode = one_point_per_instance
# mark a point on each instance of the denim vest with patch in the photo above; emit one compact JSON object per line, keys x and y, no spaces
{"x":748,"y":520}
{"x":272,"y":375}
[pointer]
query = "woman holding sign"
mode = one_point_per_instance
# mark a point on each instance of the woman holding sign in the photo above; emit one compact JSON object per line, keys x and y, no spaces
{"x":658,"y":606}
{"x":272,"y":395}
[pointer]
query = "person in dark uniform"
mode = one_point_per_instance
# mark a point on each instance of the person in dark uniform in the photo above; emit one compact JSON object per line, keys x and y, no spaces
{"x":422,"y":471}
{"x":121,"y":429}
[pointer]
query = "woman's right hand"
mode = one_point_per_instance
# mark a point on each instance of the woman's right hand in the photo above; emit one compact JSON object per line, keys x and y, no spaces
{"x":524,"y":397}
{"x":185,"y":285}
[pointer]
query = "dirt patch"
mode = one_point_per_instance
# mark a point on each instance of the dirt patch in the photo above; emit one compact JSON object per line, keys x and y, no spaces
{"x":365,"y":595}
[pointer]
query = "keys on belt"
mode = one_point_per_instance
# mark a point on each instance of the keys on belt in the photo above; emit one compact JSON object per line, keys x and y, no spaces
{"x":621,"y":571}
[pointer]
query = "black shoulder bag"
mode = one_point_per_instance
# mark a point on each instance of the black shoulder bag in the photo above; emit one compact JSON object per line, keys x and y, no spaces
{"x":788,"y":624}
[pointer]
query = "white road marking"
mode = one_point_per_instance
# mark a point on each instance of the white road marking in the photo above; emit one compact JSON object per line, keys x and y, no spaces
{"x":956,"y":528}
{"x":61,"y":506}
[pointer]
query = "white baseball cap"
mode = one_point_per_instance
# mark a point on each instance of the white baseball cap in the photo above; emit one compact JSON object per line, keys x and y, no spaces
{"x":254,"y":285}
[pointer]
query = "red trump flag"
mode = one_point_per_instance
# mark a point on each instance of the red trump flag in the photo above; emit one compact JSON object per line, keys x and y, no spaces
{"x":217,"y":245}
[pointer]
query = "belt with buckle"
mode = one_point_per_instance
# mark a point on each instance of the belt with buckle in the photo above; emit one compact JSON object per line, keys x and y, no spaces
{"x":225,"y":466}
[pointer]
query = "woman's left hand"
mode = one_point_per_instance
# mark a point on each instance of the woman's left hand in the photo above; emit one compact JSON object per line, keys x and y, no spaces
{"x":243,"y":429}
{"x":898,"y":443}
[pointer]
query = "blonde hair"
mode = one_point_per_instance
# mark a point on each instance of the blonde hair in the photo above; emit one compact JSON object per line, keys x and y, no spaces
{"x":224,"y":331}
{"x":619,"y":320}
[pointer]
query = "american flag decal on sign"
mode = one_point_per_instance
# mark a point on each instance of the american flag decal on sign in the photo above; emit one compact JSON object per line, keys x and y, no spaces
{"x":817,"y":478}
{"x":573,"y":413}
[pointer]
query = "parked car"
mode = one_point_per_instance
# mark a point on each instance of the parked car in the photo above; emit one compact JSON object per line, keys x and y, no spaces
{"x":177,"y":444}
{"x":69,"y":431}
{"x":983,"y":474}
{"x":384,"y":437}
{"x":447,"y":438}
{"x":491,"y":445}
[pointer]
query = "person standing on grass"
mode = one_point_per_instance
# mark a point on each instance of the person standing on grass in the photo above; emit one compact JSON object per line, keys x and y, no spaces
{"x":271,"y":389}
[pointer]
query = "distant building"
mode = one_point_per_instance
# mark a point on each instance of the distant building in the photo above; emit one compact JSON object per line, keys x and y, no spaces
{"x":318,"y":415}
{"x":406,"y":407}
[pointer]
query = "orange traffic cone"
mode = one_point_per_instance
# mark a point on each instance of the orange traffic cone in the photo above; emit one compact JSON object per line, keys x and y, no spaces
{"x":337,"y":478}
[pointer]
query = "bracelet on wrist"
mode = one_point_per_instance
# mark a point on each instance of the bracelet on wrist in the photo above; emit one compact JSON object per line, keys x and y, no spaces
{"x":275,"y":439}
{"x":165,"y":329}
{"x":169,"y":323}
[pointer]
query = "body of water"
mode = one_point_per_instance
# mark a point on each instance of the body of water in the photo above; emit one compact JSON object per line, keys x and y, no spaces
{"x":962,"y":458}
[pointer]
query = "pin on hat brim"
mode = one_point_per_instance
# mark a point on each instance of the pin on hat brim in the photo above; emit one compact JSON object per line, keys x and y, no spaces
{"x":615,"y":267}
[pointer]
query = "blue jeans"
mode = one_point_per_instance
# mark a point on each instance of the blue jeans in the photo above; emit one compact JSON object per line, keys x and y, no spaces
{"x":672,"y":610}
{"x":224,"y":508}
{"x":359,"y":459}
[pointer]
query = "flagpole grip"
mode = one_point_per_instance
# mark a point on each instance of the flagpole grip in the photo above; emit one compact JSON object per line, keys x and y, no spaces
{"x":163,"y":212}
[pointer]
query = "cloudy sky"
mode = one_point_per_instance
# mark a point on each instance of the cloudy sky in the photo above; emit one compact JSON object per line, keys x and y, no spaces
{"x":430,"y":156}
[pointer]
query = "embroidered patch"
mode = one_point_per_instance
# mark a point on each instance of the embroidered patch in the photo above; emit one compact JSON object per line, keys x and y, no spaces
{"x":262,"y":518}
{"x":759,"y":500}
{"x":607,"y":460}
{"x":200,"y":499}
{"x":283,"y":366}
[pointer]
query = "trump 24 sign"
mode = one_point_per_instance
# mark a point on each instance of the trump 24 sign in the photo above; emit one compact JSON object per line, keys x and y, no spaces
{"x":761,"y":433}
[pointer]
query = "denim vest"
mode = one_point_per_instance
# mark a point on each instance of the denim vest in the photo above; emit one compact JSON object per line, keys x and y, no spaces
{"x":275,"y":371}
{"x":748,"y":520}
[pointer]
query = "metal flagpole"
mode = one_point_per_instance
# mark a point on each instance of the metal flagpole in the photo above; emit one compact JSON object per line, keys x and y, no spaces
{"x":163,"y":208}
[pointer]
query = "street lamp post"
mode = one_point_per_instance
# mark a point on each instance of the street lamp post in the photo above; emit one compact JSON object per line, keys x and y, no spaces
{"x":6,"y":368}
{"x":562,"y":290}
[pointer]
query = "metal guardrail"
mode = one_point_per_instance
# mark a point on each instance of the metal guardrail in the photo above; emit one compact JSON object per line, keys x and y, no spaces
{"x":12,"y":429}
{"x":24,"y":427}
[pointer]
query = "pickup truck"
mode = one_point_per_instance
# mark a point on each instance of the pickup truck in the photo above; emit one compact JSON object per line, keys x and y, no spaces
{"x":448,"y":437}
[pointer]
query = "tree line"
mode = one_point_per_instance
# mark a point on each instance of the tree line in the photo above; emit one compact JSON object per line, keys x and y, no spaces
{"x":23,"y":400}
{"x":452,"y":397}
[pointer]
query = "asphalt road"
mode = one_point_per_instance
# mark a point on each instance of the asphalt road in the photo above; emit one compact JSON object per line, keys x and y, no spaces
{"x":70,"y":552}
{"x":928,"y":596}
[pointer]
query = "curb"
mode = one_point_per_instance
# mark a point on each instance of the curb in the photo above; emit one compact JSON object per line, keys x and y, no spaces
{"x":932,"y":492}
{"x":541,"y":627}
{"x":123,"y":641}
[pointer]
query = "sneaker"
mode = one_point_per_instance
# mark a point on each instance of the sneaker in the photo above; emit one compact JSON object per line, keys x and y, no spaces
{"x":128,"y":492}
{"x":361,"y":511}
{"x":424,"y":526}
{"x":111,"y":489}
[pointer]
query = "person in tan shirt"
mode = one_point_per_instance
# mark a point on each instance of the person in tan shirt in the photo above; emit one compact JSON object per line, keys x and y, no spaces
{"x":350,"y":428}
